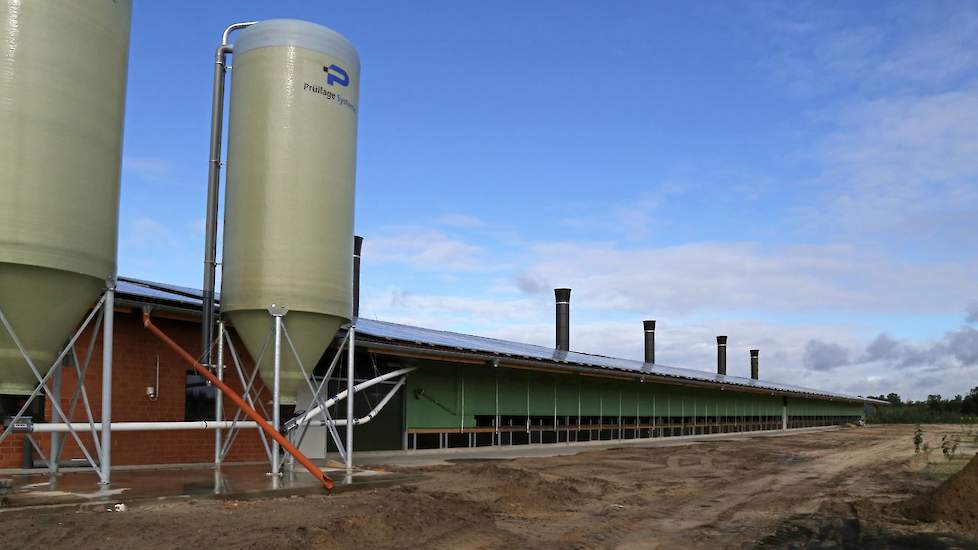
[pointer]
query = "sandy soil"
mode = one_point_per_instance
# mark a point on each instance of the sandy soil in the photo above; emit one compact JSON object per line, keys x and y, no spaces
{"x":831,"y":489}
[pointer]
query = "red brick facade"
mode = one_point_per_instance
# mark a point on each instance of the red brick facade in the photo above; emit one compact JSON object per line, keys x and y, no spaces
{"x":134,"y":368}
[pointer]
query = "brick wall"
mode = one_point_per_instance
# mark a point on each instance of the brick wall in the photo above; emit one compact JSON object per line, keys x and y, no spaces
{"x":134,"y":368}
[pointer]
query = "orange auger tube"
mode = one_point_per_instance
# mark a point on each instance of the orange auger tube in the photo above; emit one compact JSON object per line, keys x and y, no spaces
{"x":252,"y":413}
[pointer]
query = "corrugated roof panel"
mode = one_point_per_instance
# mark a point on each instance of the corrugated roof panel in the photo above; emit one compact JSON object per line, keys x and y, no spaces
{"x":158,"y":291}
{"x":136,"y":288}
{"x":481,"y":344}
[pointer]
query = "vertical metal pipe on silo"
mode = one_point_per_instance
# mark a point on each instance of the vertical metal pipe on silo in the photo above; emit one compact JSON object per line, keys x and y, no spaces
{"x":754,"y":363}
{"x":649,"y":327}
{"x":562,"y":296}
{"x":722,"y":355}
{"x":214,"y":188}
{"x":357,"y":247}
{"x":213,"y":196}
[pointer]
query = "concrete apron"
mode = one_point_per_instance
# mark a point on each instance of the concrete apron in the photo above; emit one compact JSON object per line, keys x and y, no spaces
{"x":80,"y":490}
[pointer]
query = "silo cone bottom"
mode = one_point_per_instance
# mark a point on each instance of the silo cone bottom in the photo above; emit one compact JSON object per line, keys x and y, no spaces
{"x":311,"y":333}
{"x":44,"y":306}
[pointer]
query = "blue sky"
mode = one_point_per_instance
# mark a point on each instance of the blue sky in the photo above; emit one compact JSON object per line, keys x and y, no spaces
{"x":800,"y":176}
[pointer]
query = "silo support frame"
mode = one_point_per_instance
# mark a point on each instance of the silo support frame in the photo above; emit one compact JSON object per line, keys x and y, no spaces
{"x":251,"y":394}
{"x":280,"y":340}
{"x":240,"y":402}
{"x":317,"y":392}
{"x":101,"y":314}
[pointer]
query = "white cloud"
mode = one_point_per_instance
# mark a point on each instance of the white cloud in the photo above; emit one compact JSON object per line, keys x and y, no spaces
{"x":749,"y":276}
{"x":818,"y":49}
{"x":635,"y":218}
{"x":148,"y":168}
{"x":824,"y":356}
{"x":903,"y":166}
{"x":148,"y":233}
{"x":971,"y":313}
{"x":461,"y":220}
{"x":424,"y":248}
{"x":446,"y":312}
{"x":947,"y":35}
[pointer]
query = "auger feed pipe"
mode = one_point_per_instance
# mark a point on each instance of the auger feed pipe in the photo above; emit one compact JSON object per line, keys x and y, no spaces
{"x":214,"y":187}
{"x":237,"y":400}
{"x":308,"y":415}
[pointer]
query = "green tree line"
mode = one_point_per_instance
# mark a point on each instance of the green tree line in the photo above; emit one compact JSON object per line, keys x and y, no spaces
{"x":960,"y":409}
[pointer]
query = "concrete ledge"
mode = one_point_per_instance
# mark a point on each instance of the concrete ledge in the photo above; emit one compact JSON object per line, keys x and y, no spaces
{"x":428,"y":457}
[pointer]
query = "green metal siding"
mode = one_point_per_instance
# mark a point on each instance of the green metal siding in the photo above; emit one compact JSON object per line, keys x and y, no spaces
{"x":568,"y":392}
{"x":512,"y":392}
{"x":590,"y":397}
{"x":433,"y":398}
{"x":479,"y":393}
{"x":815,"y":407}
{"x":451,"y":396}
{"x":541,"y":388}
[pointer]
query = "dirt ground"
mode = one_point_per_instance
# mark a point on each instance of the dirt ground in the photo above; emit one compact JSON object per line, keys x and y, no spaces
{"x":846,"y":488}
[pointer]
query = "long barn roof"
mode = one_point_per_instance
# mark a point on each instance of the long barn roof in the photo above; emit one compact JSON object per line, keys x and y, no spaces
{"x":407,"y":337}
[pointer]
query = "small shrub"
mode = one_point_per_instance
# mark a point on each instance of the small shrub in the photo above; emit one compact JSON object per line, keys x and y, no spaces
{"x":918,"y":439}
{"x":949,"y":446}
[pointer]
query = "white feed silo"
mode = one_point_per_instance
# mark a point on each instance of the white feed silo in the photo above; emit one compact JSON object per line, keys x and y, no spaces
{"x":62,"y":99}
{"x":288,"y":232}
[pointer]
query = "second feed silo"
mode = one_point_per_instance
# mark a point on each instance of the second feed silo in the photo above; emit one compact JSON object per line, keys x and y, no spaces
{"x":288,"y":230}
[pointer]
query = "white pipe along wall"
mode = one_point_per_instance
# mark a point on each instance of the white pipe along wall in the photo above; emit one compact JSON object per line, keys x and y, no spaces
{"x":57,"y":427}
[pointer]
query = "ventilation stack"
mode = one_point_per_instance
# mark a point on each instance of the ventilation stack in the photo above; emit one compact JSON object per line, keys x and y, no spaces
{"x":562,"y":296}
{"x":754,"y":360}
{"x":649,"y":327}
{"x":722,"y":355}
{"x":357,"y":247}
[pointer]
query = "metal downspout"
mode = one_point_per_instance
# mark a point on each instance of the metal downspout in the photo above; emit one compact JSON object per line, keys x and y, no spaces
{"x":214,"y":187}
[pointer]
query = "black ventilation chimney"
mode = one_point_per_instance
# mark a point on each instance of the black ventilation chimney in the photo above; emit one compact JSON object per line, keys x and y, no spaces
{"x":563,"y":318}
{"x":649,"y":341}
{"x":754,"y":363}
{"x":722,"y":355}
{"x":357,"y":246}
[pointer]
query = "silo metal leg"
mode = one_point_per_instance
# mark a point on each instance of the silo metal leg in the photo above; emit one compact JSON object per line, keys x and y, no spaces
{"x":276,"y":388}
{"x":105,"y":463}
{"x":219,"y":395}
{"x":56,"y":438}
{"x":349,"y":401}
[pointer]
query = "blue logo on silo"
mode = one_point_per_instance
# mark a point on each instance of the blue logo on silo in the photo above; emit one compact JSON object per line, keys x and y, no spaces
{"x":336,"y":75}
